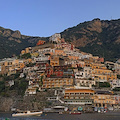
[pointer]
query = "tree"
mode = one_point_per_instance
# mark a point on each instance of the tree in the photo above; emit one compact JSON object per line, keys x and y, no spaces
{"x":116,"y":89}
{"x":104,"y":84}
{"x":26,"y":56}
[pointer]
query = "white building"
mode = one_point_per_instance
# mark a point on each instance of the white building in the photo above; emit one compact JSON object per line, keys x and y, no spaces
{"x":115,"y":83}
{"x":85,"y":73}
{"x":41,"y":58}
{"x":55,"y":38}
{"x":84,"y":83}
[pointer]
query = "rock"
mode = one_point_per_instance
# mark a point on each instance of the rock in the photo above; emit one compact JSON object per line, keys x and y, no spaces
{"x":17,"y":40}
{"x":95,"y":26}
{"x":16,"y":34}
{"x":5,"y":104}
{"x":0,"y":32}
{"x":7,"y":33}
{"x":10,"y":38}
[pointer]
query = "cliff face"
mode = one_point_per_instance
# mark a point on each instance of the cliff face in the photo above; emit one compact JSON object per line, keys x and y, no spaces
{"x":12,"y":42}
{"x":99,"y":37}
{"x":5,"y":104}
{"x":33,"y":102}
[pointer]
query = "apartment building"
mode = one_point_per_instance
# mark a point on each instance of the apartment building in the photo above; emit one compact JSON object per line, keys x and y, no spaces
{"x":78,"y":96}
{"x":57,"y":82}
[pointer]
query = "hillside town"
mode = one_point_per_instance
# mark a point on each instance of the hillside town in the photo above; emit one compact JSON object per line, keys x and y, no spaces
{"x":79,"y":80}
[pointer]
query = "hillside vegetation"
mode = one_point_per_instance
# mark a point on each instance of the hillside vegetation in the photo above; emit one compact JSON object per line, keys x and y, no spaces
{"x":99,"y":37}
{"x":12,"y":42}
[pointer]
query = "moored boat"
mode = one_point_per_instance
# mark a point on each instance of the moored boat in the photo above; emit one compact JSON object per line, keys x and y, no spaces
{"x":75,"y":113}
{"x":60,"y":113}
{"x":28,"y":113}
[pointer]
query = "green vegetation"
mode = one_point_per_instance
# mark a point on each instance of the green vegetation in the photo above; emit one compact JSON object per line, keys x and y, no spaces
{"x":30,"y":64}
{"x":104,"y":84}
{"x":26,"y":56}
{"x":116,"y":89}
{"x":118,"y":76}
{"x":2,"y":86}
{"x":101,"y":41}
{"x":9,"y":48}
{"x":20,"y":86}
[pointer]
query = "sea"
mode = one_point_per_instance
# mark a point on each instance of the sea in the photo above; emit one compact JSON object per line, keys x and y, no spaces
{"x":56,"y":116}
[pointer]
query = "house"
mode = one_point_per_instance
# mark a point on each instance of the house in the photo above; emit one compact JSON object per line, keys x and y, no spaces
{"x":31,"y":91}
{"x":73,"y":57}
{"x":27,"y":50}
{"x":117,"y":99}
{"x":41,"y":58}
{"x":49,"y":71}
{"x":54,"y":61}
{"x":84,"y":73}
{"x":98,"y":66}
{"x":11,"y":65}
{"x":59,"y":52}
{"x":10,"y":83}
{"x":21,"y":75}
{"x":115,"y":83}
{"x":40,"y":42}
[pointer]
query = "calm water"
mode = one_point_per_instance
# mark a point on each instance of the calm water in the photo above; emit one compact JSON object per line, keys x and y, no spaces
{"x":56,"y":116}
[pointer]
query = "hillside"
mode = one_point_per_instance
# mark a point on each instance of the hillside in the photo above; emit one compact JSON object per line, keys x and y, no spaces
{"x":99,"y":37}
{"x":12,"y":42}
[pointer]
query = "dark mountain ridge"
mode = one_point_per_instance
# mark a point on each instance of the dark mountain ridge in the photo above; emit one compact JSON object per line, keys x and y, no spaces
{"x":12,"y":42}
{"x":99,"y":37}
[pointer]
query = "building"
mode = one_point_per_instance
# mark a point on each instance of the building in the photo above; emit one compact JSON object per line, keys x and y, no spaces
{"x":59,"y":52}
{"x":88,"y":83}
{"x":11,"y":65}
{"x":54,"y":61}
{"x":57,"y":82}
{"x":115,"y":83}
{"x":78,"y":96}
{"x":103,"y":74}
{"x":41,"y":58}
{"x":55,"y":38}
{"x":84,"y":73}
{"x":27,"y":50}
{"x":40,"y":42}
{"x":104,"y":99}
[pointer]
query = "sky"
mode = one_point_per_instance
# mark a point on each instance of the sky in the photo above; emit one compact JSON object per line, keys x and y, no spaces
{"x":44,"y":18}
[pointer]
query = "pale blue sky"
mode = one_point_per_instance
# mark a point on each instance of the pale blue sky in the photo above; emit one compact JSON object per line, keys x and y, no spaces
{"x":46,"y":17}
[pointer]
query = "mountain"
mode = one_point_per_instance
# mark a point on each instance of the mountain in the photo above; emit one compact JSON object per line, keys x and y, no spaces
{"x":12,"y":42}
{"x":99,"y":37}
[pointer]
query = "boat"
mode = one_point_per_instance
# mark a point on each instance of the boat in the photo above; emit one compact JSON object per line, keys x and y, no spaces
{"x":28,"y":113}
{"x":75,"y":113}
{"x":60,"y":113}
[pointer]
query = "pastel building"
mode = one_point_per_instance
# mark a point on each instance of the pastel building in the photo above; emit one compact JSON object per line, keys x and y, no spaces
{"x":84,"y":83}
{"x":54,"y":61}
{"x":78,"y":96}
{"x":57,"y":82}
{"x":104,"y":99}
